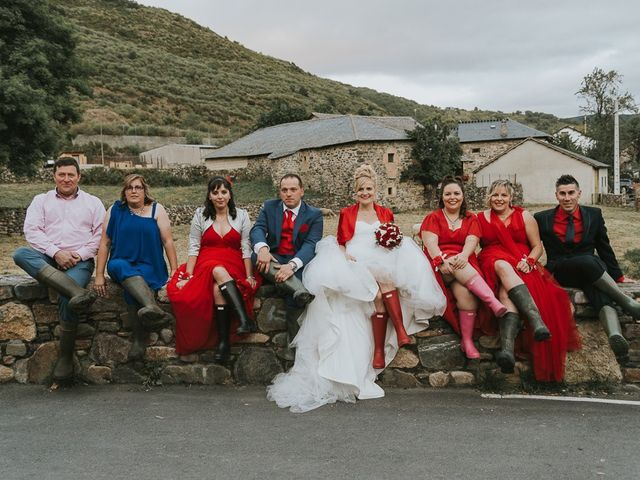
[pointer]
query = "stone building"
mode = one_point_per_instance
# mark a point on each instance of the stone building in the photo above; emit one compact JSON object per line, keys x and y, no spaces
{"x":536,"y":165}
{"x":326,"y":150}
{"x":482,"y":141}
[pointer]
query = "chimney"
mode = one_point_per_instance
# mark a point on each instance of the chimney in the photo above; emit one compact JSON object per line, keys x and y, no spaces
{"x":503,"y":128}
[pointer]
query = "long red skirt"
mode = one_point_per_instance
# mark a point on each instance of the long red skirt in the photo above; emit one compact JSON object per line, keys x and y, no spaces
{"x":193,"y":304}
{"x":510,"y":243}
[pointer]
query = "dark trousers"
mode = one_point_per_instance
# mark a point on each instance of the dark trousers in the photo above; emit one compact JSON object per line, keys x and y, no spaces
{"x":580,"y":272}
{"x":282,"y":260}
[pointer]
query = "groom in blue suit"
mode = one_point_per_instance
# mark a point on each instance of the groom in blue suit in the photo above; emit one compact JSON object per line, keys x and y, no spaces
{"x":284,"y":240}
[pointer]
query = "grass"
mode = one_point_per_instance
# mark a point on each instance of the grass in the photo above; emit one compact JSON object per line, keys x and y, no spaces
{"x":20,"y":195}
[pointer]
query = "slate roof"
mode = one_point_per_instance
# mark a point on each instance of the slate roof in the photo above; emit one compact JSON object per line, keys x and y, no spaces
{"x":577,"y":156}
{"x":489,"y":130}
{"x":321,"y":131}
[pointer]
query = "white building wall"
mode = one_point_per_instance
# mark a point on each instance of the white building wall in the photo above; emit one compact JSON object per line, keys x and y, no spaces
{"x":176,"y":154}
{"x":537,"y":168}
{"x":226,"y":163}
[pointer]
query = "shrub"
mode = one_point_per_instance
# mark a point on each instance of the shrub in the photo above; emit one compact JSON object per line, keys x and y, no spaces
{"x":631,"y":263}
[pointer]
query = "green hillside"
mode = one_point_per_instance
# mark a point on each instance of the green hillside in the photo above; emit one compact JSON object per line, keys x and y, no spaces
{"x":155,"y":72}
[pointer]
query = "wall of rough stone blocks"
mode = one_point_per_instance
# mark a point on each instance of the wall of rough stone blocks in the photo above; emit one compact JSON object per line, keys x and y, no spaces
{"x":330,"y":170}
{"x":29,"y":331}
{"x":488,"y":150}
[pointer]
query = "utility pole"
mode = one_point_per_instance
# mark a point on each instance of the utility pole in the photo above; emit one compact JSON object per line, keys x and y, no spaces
{"x":101,"y":145}
{"x":616,"y":149}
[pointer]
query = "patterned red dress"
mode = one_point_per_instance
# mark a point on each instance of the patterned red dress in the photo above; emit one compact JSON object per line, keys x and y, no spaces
{"x":451,"y":242}
{"x":193,"y":303}
{"x":509,"y":242}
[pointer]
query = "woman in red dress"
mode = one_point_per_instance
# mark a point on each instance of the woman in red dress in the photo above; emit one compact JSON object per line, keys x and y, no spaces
{"x":217,"y":280}
{"x":511,"y":248}
{"x":450,"y":236}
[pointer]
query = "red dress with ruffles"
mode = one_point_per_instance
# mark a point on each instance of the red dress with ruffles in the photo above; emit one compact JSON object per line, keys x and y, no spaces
{"x":509,"y":243}
{"x":193,"y":303}
{"x":451,"y":242}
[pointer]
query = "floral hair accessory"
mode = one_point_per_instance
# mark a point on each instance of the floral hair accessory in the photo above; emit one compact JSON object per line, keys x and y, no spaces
{"x":388,"y":235}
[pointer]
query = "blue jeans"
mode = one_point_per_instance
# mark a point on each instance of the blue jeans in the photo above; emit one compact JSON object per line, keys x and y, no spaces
{"x":32,"y":261}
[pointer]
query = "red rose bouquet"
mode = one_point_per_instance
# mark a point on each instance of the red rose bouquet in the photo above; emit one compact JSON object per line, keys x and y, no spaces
{"x":388,"y":235}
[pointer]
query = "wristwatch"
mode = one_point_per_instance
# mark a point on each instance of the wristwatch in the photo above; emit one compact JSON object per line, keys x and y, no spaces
{"x":294,"y":266}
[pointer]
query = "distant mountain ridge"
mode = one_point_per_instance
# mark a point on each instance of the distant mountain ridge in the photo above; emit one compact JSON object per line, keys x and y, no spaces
{"x":156,"y":72}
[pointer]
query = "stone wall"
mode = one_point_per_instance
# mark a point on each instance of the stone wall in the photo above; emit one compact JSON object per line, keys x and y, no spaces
{"x":12,"y":220}
{"x":119,"y":141}
{"x":42,"y":175}
{"x":485,"y":152}
{"x":29,"y":330}
{"x":611,"y":200}
{"x":330,"y":171}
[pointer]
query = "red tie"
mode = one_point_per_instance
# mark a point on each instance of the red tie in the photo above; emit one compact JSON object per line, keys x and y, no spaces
{"x":286,"y":237}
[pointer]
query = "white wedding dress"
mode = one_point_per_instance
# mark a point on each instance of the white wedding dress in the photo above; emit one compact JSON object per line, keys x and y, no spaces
{"x":335,"y":342}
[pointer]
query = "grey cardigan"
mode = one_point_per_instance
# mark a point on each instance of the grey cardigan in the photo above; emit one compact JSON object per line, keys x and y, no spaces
{"x":199,"y":225}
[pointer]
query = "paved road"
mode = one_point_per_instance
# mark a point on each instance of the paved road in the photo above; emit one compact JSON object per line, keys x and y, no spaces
{"x":124,"y":432}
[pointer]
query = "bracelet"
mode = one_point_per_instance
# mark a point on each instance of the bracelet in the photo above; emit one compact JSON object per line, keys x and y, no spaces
{"x":529,"y":261}
{"x":184,"y":276}
{"x":436,"y":262}
{"x":251,"y":277}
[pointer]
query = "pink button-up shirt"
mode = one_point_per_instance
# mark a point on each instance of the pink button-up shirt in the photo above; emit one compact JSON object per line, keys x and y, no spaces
{"x":56,"y":223}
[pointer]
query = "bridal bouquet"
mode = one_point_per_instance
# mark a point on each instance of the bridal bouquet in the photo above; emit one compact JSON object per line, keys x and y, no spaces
{"x":388,"y":235}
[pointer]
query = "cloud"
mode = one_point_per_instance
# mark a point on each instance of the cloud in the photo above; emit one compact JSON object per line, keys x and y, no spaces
{"x":499,"y":54}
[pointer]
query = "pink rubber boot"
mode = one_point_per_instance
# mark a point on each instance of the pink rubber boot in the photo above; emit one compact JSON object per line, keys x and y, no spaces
{"x":467,"y":320}
{"x":480,"y":289}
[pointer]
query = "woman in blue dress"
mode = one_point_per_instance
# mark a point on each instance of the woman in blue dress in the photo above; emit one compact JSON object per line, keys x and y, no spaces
{"x":135,"y":231}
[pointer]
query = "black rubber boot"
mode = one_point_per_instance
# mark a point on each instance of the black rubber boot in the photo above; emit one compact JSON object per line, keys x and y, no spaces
{"x":611,"y":324}
{"x":63,"y":371}
{"x":510,"y":325}
{"x":292,"y":315}
{"x":232,"y":295}
{"x":138,"y":345}
{"x":292,"y":285}
{"x":80,"y":299}
{"x":523,"y":301}
{"x":152,"y":316}
{"x":608,"y":285}
{"x":223,"y":324}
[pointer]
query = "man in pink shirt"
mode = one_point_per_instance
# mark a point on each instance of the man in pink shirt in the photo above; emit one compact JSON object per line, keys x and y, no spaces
{"x":63,"y":228}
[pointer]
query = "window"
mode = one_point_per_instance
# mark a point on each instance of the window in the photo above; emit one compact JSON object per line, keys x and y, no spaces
{"x":475,"y":150}
{"x":390,"y":157}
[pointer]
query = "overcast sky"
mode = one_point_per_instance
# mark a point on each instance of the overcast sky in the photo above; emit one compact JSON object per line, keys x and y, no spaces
{"x":502,"y":55}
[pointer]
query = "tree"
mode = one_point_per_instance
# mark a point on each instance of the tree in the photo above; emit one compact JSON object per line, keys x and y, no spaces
{"x":632,"y":134}
{"x":281,"y":112}
{"x":436,"y":151}
{"x":563,"y":140}
{"x":38,"y":75}
{"x":599,"y":90}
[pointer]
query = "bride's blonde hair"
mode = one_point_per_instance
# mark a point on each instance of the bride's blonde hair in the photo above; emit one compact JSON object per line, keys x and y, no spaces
{"x":363,"y":173}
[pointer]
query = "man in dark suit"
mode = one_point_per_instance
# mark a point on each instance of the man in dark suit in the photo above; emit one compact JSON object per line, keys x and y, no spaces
{"x":571,"y":234}
{"x":284,"y":240}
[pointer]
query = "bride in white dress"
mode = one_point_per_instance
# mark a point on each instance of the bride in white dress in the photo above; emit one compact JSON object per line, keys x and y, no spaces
{"x":346,"y":339}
